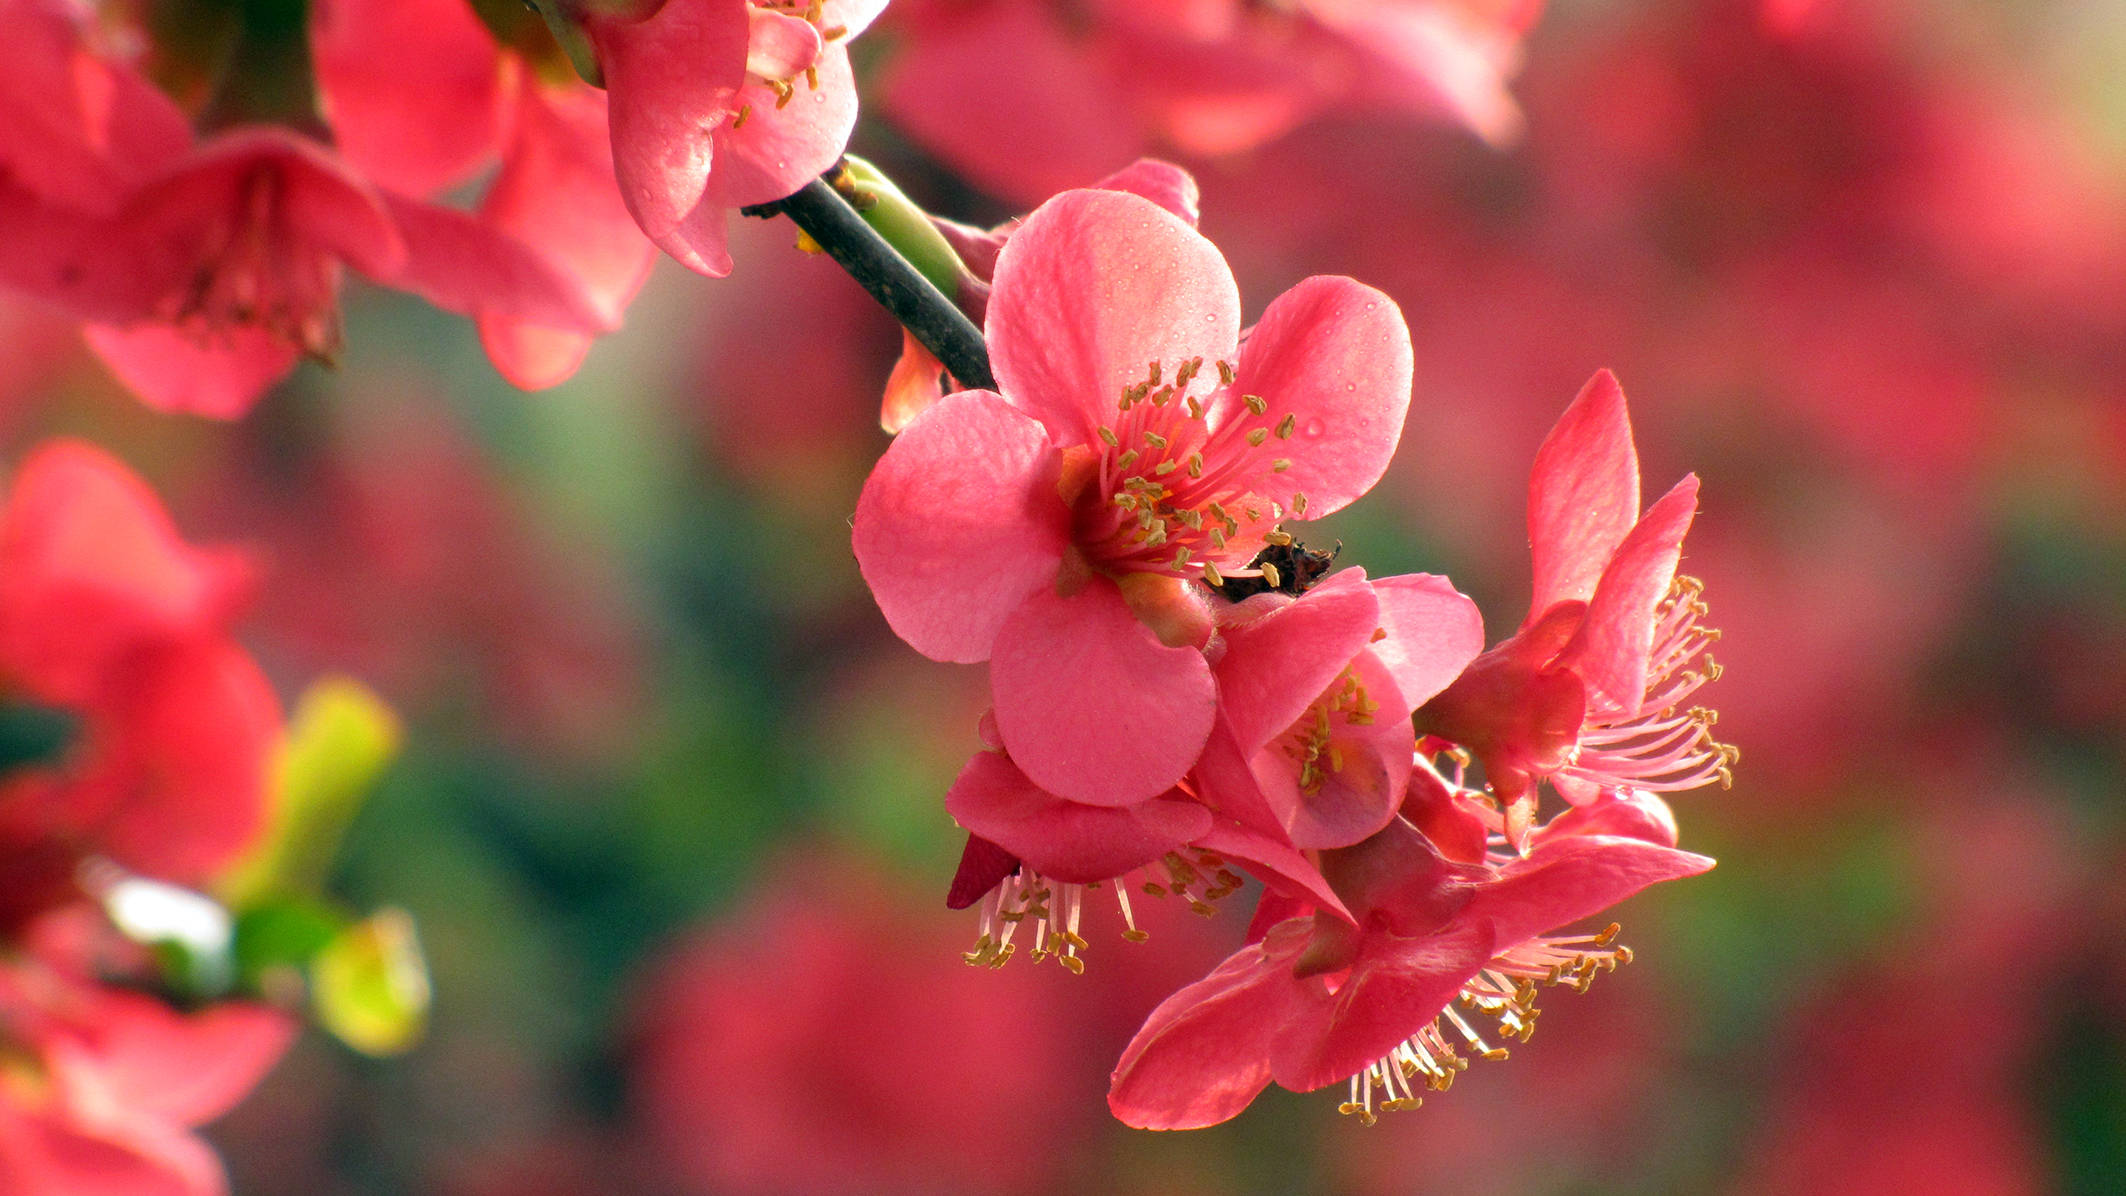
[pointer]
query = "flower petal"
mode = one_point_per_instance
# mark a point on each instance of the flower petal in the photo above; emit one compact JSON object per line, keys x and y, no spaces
{"x":781,"y":148}
{"x":982,"y":865}
{"x":672,"y":80}
{"x":1163,"y":183}
{"x":1091,"y":290}
{"x":1092,"y":706}
{"x":170,"y":371}
{"x":959,"y":522}
{"x":1395,"y":988}
{"x":1434,"y":631}
{"x":1276,"y":666}
{"x":1334,"y":354}
{"x":413,"y":89}
{"x":1611,"y":649}
{"x":1281,"y":868}
{"x":1583,"y":494}
{"x":1571,"y":877}
{"x":1204,"y":1053}
{"x":462,"y":263}
{"x":1066,"y":840}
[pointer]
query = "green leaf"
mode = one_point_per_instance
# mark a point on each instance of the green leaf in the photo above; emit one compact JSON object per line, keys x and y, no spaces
{"x":369,"y":986}
{"x":340,"y":740}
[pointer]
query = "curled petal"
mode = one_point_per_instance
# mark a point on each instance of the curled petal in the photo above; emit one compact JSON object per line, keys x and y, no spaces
{"x":1092,"y":706}
{"x":1571,"y":877}
{"x":1276,"y":666}
{"x":1610,"y":652}
{"x":959,"y":523}
{"x":1396,"y":987}
{"x":1163,"y":183}
{"x":672,"y":81}
{"x":1066,"y":840}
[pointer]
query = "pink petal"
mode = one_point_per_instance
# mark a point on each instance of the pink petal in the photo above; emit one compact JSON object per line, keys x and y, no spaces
{"x":1277,"y":864}
{"x":672,"y":80}
{"x":1065,"y":840}
{"x":90,"y":566}
{"x":779,"y":45}
{"x":463,"y":264}
{"x":1610,"y":652}
{"x":1226,"y":783}
{"x":80,"y":128}
{"x":945,"y":89}
{"x":854,"y":16}
{"x":780,"y":149}
{"x":1092,"y":289}
{"x":1396,"y":987}
{"x":1163,"y":183}
{"x":1204,"y":1053}
{"x":1632,"y":814}
{"x":959,"y":522}
{"x":1275,"y":667}
{"x":1335,"y":354}
{"x":556,"y":194}
{"x":321,"y":202}
{"x":1583,"y":494}
{"x":412,"y":89}
{"x":1398,"y":881}
{"x":171,"y":371}
{"x":1572,"y":877}
{"x":917,"y":381}
{"x":187,"y":1068}
{"x":1092,"y":706}
{"x":1434,"y":631}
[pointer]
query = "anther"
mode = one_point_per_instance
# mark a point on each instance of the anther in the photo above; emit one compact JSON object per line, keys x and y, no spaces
{"x":1286,"y":425}
{"x":1256,"y":404}
{"x":1225,"y":373}
{"x":1270,"y":575}
{"x":1108,"y":434}
{"x":745,"y":112}
{"x":1256,"y":437}
{"x":1280,"y":465}
{"x":1211,"y":576}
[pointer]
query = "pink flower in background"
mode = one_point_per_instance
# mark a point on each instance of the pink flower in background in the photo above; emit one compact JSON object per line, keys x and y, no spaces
{"x":386,"y":67}
{"x":717,"y":104}
{"x":206,"y":271}
{"x":1091,"y":86}
{"x":1317,"y":999}
{"x":1588,"y":691}
{"x":106,"y":615}
{"x":102,"y":1088}
{"x":821,"y":1038}
{"x":1057,"y":529}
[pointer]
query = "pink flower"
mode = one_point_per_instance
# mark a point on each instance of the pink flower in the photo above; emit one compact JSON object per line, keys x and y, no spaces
{"x":205,"y":271}
{"x":1315,"y":694}
{"x":1097,"y":84}
{"x":1589,"y":691}
{"x":106,"y":615}
{"x":717,"y":104}
{"x":1318,"y":999}
{"x":1058,"y":529}
{"x":421,"y":98}
{"x":104,"y":1087}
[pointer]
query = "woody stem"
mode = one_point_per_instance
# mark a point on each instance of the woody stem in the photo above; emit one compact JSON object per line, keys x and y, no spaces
{"x":899,"y":287}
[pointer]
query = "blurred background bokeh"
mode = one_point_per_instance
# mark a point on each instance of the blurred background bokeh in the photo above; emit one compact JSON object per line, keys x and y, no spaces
{"x":669,"y":810}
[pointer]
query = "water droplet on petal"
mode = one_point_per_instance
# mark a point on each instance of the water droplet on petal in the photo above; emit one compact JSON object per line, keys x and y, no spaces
{"x":1313,"y":428}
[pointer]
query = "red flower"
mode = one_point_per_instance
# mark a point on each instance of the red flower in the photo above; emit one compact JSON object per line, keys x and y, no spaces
{"x":1318,"y":999}
{"x":1589,"y":691}
{"x":107,"y":615}
{"x":1057,"y":529}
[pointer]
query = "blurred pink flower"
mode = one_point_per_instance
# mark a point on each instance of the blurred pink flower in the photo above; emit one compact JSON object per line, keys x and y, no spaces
{"x":1091,"y":86}
{"x":815,"y":1041}
{"x":421,"y":97}
{"x":101,"y":1088}
{"x":107,"y":615}
{"x":205,"y":271}
{"x":1317,"y":999}
{"x":1587,"y":692}
{"x":1056,"y":529}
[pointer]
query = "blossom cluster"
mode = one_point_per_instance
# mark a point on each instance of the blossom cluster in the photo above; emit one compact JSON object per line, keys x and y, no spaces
{"x":1185,"y":695}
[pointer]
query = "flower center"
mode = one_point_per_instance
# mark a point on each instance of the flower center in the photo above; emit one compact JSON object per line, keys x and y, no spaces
{"x":1177,"y":495}
{"x":1310,"y":743}
{"x":781,"y":51}
{"x":1504,"y":991}
{"x":254,"y":271}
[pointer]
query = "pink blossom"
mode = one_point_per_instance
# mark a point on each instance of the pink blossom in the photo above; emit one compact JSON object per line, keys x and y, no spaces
{"x":421,"y":97}
{"x":1317,"y":999}
{"x":1094,"y":85}
{"x":1058,"y":529}
{"x":1589,"y":691}
{"x":717,"y":104}
{"x":205,"y":270}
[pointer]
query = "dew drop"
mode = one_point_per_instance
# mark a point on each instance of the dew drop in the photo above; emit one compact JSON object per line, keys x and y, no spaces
{"x":1313,"y":428}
